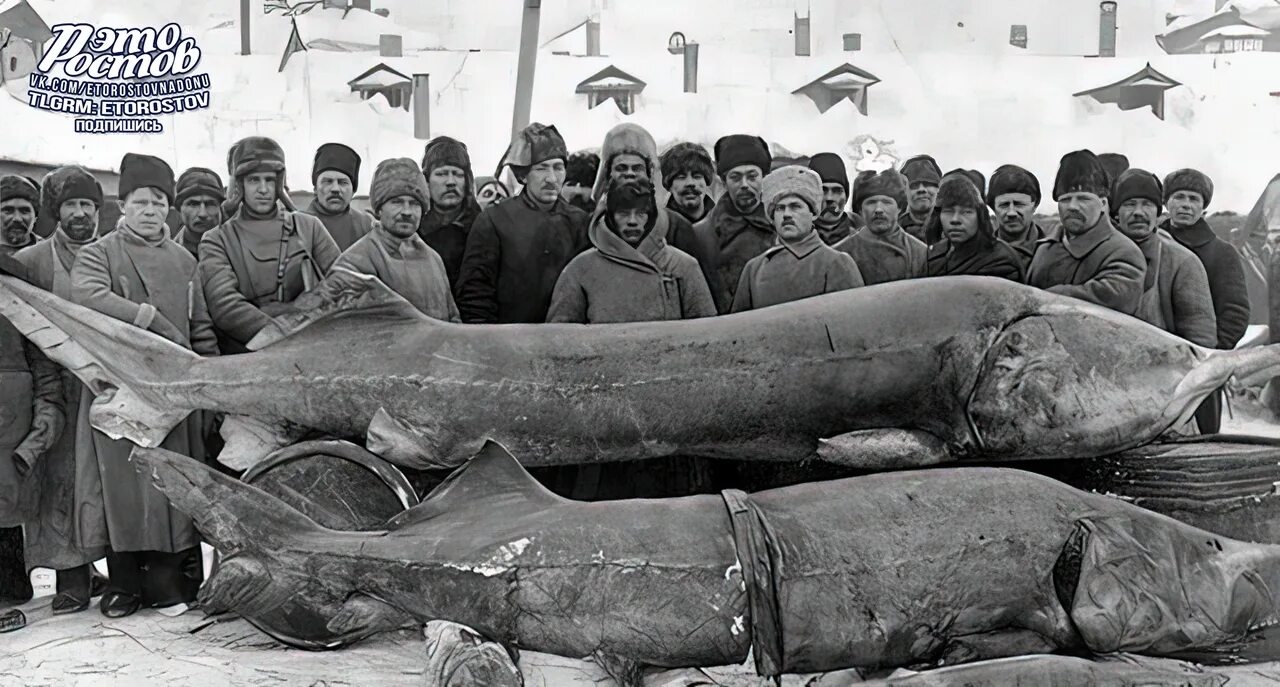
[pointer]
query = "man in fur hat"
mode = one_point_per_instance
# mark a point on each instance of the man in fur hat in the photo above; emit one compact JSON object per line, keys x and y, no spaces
{"x":967,"y":242}
{"x":580,"y":172}
{"x":453,"y":208}
{"x":335,"y":176}
{"x":1175,"y":295}
{"x":199,"y":197}
{"x":923,"y":176}
{"x":630,"y":154}
{"x":883,"y":251}
{"x":801,"y":265}
{"x":688,"y":172}
{"x":517,"y":249}
{"x":18,"y":199}
{"x":1187,"y":192}
{"x":737,"y":229}
{"x":1014,"y":194}
{"x":240,"y":260}
{"x":393,"y":252}
{"x":55,"y":537}
{"x":138,"y":275}
{"x":834,"y":223}
{"x":1086,"y":257}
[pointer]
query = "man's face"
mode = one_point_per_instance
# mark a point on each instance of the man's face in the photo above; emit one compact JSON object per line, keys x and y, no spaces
{"x":628,"y":167}
{"x":334,"y":189}
{"x":630,"y":225}
{"x":79,"y":218}
{"x":881,"y":213}
{"x":792,"y":219}
{"x":742,"y":183}
{"x":1015,"y":211}
{"x":959,"y":224}
{"x":401,"y":216}
{"x":260,"y":191}
{"x":200,"y":213}
{"x":1138,"y":218}
{"x":1185,"y":208}
{"x":833,"y":200}
{"x":544,"y":180}
{"x":447,"y":185}
{"x":689,"y":189}
{"x":490,"y":195}
{"x":1080,"y":211}
{"x":920,"y":197}
{"x":144,"y":210}
{"x":17,"y":216}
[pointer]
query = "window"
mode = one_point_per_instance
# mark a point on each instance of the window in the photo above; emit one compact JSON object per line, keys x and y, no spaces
{"x":852,"y":42}
{"x":624,"y":99}
{"x":13,"y":64}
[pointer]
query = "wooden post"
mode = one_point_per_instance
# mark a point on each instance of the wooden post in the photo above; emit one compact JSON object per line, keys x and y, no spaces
{"x":593,"y":37}
{"x":691,"y":68}
{"x":528,"y":61}
{"x":422,"y":106}
{"x":245,"y":47}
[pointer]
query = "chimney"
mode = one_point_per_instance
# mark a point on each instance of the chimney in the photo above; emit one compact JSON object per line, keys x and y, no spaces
{"x":390,"y":45}
{"x":593,"y":38}
{"x":691,"y":68}
{"x":360,"y":4}
{"x":422,"y":106}
{"x":244,"y":27}
{"x":1107,"y":29}
{"x":802,"y":35}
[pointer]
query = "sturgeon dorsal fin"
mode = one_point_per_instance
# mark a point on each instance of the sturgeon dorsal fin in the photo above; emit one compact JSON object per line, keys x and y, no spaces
{"x":342,"y":292}
{"x":493,"y":480}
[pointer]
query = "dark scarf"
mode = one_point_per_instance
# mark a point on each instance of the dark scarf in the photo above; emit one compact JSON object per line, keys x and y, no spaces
{"x":831,"y":231}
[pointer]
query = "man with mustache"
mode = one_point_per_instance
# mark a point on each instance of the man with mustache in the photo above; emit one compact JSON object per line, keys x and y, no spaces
{"x":199,"y":198}
{"x":923,"y":176}
{"x":834,"y":223}
{"x":1187,"y":192}
{"x":1175,"y":295}
{"x":1086,"y":257}
{"x":517,"y":249}
{"x":629,"y":153}
{"x":1014,"y":194}
{"x":967,"y":243}
{"x":688,"y":172}
{"x":737,"y":229}
{"x":447,"y":219}
{"x":883,"y":251}
{"x":335,"y":176}
{"x":263,"y":255}
{"x":18,"y":199}
{"x":802,"y":265}
{"x":138,"y":275}
{"x":580,"y":172}
{"x":57,"y":538}
{"x":393,"y":252}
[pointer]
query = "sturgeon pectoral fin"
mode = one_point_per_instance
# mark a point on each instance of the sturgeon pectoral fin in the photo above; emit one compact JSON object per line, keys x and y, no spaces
{"x":341,"y":291}
{"x":884,"y":449}
{"x":411,"y":445}
{"x":249,"y":440}
{"x":458,"y":656}
{"x":366,"y":615}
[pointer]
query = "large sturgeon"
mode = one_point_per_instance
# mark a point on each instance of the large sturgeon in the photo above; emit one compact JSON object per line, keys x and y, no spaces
{"x":900,"y":374}
{"x":884,"y":570}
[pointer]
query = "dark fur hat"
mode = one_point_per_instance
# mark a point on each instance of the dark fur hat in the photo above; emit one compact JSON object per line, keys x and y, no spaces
{"x":66,"y":183}
{"x":1081,"y":172}
{"x":1189,"y":180}
{"x":1012,"y":179}
{"x":687,"y":158}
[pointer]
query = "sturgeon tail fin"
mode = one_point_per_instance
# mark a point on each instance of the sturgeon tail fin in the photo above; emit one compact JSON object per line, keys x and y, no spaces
{"x":234,"y":516}
{"x":1248,"y":366}
{"x":121,"y":364}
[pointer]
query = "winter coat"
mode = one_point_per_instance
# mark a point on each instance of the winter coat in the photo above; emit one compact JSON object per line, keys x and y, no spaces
{"x":734,"y":239}
{"x":848,"y":225}
{"x":515,"y":253}
{"x":448,"y":237}
{"x":1226,"y":278}
{"x":886,"y":257}
{"x":913,"y":227}
{"x":346,"y":227}
{"x":1025,"y":246}
{"x":188,"y":240}
{"x":239,"y":264}
{"x":58,"y":537}
{"x":407,"y":266}
{"x":790,"y":272}
{"x":115,"y":276}
{"x":998,"y":260}
{"x":31,"y":420}
{"x":613,"y":282}
{"x":1101,"y":266}
{"x":1175,"y":294}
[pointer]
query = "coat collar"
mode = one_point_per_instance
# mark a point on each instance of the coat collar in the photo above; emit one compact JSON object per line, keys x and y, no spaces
{"x":1193,"y":236}
{"x":396,"y":247}
{"x":1080,"y":246}
{"x":707,"y":206}
{"x":800,"y":249}
{"x":559,"y":207}
{"x":643,"y":257}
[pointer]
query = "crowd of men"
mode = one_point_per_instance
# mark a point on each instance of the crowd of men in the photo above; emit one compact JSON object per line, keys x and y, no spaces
{"x":629,"y":235}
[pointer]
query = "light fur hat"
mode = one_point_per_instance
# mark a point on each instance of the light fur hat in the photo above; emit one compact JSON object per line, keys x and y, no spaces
{"x":793,"y":180}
